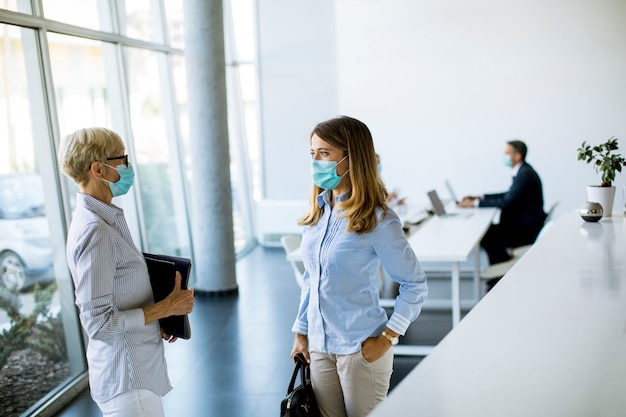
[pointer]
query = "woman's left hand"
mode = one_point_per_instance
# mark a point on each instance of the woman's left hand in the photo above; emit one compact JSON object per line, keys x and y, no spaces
{"x":373,"y":348}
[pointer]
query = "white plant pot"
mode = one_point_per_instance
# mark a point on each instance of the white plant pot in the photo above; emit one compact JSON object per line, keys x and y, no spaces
{"x":602,"y":195}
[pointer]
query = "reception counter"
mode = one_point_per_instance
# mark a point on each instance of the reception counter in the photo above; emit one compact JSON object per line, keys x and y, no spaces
{"x":549,"y":340}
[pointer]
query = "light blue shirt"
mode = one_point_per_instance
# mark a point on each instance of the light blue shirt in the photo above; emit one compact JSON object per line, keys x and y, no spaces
{"x":112,"y":285}
{"x":339,"y":303}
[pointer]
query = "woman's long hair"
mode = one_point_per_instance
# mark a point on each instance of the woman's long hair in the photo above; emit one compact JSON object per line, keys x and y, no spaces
{"x":368,"y":191}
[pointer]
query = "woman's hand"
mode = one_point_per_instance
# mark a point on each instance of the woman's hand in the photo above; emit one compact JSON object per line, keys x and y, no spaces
{"x":373,"y":348}
{"x":300,"y":345}
{"x":178,"y":303}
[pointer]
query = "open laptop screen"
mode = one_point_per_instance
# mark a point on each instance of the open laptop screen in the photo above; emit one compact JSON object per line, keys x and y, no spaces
{"x":435,"y":201}
{"x":451,"y":191}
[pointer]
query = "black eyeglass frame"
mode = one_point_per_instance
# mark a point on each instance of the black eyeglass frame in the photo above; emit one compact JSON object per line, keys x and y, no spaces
{"x":124,"y":157}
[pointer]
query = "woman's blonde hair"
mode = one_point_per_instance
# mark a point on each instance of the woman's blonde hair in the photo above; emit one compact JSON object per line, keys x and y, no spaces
{"x":79,"y":149}
{"x":368,"y":191}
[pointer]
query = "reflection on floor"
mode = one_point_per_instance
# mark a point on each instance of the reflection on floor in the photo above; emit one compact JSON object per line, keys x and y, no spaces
{"x":237,"y":361}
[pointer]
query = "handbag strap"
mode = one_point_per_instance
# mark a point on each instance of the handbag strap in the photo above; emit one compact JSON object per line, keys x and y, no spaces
{"x":305,"y":371}
{"x":302,"y":366}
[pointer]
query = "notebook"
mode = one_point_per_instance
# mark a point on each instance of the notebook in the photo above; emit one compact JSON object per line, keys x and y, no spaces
{"x":162,"y":270}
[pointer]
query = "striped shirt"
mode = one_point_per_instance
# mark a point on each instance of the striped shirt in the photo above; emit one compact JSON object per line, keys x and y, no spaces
{"x":339,"y":303}
{"x":111,"y":285}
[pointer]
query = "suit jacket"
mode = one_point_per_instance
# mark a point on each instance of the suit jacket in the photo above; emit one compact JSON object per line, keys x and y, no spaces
{"x":521,"y":208}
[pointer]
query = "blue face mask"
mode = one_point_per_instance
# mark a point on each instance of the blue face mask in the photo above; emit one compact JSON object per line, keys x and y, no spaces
{"x":325,"y":173}
{"x":506,"y":159}
{"x":127,"y":176}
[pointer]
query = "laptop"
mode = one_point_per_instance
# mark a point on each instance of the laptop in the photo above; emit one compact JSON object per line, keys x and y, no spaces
{"x":438,"y":206}
{"x":452,"y":193}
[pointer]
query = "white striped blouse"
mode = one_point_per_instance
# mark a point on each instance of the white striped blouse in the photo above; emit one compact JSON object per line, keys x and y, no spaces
{"x":111,"y":285}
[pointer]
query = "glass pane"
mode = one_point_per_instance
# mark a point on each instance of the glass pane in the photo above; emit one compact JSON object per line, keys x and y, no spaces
{"x":142,"y":20}
{"x":240,"y":231}
{"x":22,"y":6}
{"x":238,"y":160}
{"x":175,"y":19}
{"x":243,"y":15}
{"x":39,"y":333}
{"x":81,"y":96}
{"x":179,"y":76}
{"x":250,"y":101}
{"x":91,"y":14}
{"x":157,"y":158}
{"x":89,"y":98}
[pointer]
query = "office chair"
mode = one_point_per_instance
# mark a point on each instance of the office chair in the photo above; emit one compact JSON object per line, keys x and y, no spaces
{"x":494,"y":272}
{"x":520,"y":250}
{"x":291,"y":243}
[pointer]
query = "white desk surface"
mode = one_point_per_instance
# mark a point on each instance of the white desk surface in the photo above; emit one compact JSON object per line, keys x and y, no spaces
{"x":452,"y":238}
{"x":549,"y":340}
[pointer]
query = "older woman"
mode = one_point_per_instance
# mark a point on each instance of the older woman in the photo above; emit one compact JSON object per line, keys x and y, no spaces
{"x":125,"y":354}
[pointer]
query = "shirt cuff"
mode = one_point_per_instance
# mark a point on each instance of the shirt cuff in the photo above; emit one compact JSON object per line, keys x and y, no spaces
{"x":398,"y":324}
{"x":134,"y":319}
{"x":300,"y":327}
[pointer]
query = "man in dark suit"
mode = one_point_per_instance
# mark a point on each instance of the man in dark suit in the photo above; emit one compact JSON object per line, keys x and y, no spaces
{"x":521,"y":208}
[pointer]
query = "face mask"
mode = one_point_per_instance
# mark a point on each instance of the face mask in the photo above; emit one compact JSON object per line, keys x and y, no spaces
{"x":380,"y":168}
{"x":506,"y":159}
{"x":127,"y":176}
{"x":325,"y":174}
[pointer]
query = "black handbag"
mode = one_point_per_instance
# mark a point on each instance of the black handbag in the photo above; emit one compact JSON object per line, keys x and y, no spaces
{"x":300,"y":401}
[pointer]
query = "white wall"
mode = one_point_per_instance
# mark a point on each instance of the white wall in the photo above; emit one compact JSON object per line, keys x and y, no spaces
{"x":298,"y":80}
{"x":443,"y":84}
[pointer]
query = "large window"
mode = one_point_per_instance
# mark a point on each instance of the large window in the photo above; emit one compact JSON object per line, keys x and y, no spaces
{"x":40,"y":341}
{"x":111,"y":63}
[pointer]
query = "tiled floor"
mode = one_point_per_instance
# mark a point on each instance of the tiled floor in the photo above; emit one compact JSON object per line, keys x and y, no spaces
{"x":237,"y":361}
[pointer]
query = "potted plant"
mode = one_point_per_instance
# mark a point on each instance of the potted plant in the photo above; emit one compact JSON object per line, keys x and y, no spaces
{"x":606,"y":161}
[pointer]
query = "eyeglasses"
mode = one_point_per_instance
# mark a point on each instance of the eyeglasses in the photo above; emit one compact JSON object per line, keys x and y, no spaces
{"x":124,"y":157}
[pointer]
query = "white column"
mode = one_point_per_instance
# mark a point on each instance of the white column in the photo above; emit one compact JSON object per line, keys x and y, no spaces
{"x":210,"y":191}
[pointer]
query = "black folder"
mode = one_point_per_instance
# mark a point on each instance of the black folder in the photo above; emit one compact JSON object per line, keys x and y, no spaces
{"x":162,"y":270}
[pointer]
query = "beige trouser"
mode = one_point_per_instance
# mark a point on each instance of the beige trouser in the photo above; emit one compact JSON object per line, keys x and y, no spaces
{"x":348,"y":385}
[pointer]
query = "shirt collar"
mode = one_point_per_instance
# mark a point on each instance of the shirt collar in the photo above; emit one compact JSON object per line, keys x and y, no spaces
{"x":107,"y":212}
{"x":516,"y":168}
{"x":324,"y":197}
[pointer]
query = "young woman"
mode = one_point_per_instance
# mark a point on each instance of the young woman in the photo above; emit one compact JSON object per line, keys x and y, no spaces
{"x":348,"y":233}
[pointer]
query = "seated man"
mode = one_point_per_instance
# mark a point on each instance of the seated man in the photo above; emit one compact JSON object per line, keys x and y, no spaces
{"x":521,"y":208}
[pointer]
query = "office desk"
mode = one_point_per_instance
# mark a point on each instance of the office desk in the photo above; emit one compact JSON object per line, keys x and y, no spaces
{"x":548,"y":340}
{"x":454,"y":239}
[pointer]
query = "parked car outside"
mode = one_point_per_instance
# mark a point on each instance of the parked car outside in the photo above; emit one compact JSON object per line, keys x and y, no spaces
{"x":25,"y":250}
